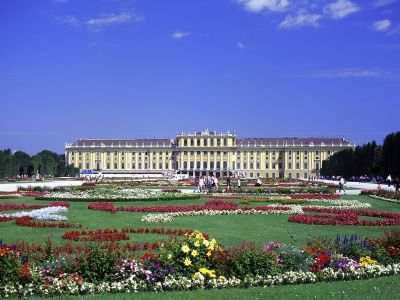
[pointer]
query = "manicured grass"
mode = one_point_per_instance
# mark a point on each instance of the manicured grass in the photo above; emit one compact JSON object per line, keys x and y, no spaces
{"x":228,"y":230}
{"x":376,"y":288}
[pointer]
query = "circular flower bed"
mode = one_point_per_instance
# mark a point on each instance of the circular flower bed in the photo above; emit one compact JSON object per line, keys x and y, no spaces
{"x":337,"y":217}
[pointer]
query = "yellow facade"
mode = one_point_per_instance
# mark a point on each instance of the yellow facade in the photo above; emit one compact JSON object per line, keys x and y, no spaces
{"x":203,"y":153}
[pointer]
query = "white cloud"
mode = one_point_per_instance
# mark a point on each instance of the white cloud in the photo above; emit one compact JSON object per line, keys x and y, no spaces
{"x":340,"y":9}
{"x":260,"y":5}
{"x":178,"y":35}
{"x":382,"y":25}
{"x":300,"y":20}
{"x":103,"y":21}
{"x":352,"y":73}
{"x":381,"y":3}
{"x":240,"y":45}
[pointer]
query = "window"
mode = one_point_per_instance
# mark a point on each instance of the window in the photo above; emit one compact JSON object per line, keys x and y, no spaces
{"x":87,"y":165}
{"x":273,"y":175}
{"x":289,"y":167}
{"x":211,"y":152}
{"x":297,"y":175}
{"x":212,"y":142}
{"x":316,"y":152}
{"x":204,"y":165}
{"x":184,"y":142}
{"x":251,"y":175}
{"x":258,"y":166}
{"x":305,"y":166}
{"x":191,"y":152}
{"x":205,"y":142}
{"x":218,"y":142}
{"x":218,"y":152}
{"x":198,"y":142}
{"x":211,"y":165}
{"x":115,"y":166}
{"x":218,"y":165}
{"x":122,"y":166}
{"x":198,"y":165}
{"x":251,"y":165}
{"x":305,"y":175}
{"x":280,"y":165}
{"x":298,"y":152}
{"x":238,"y":165}
{"x":267,"y":165}
{"x":244,"y":165}
{"x":185,"y":165}
{"x":108,"y":166}
{"x":185,"y":152}
{"x":225,"y":164}
{"x":225,"y":142}
{"x":198,"y":152}
{"x":290,"y":153}
{"x":140,"y":165}
{"x":191,"y":165}
{"x":145,"y":166}
{"x":133,"y":166}
{"x":115,"y":153}
{"x":258,"y":174}
{"x":290,"y":175}
{"x":160,"y":165}
{"x":274,"y":167}
{"x":166,"y":165}
{"x":205,"y":152}
{"x":297,"y":166}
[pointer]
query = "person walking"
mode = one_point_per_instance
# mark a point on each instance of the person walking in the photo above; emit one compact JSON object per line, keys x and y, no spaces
{"x":238,"y":182}
{"x":258,"y":183}
{"x":341,"y":185}
{"x":228,"y":182}
{"x":216,"y":182}
{"x":396,"y":185}
{"x":389,"y":180}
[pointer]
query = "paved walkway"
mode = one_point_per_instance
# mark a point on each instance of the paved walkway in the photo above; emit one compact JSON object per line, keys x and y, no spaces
{"x":12,"y":187}
{"x":357,"y":187}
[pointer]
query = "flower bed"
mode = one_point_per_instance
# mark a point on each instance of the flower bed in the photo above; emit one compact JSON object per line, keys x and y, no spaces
{"x":102,"y":235}
{"x":27,"y":221}
{"x":336,"y":217}
{"x":46,"y":213}
{"x":116,"y":195}
{"x":195,"y":262}
{"x":274,"y":197}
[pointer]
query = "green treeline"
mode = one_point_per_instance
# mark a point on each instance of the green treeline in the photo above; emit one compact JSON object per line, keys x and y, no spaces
{"x":370,"y":159}
{"x":45,"y":163}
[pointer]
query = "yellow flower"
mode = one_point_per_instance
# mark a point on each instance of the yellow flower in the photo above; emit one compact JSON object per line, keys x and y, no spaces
{"x":197,"y":244}
{"x":187,"y":261}
{"x":203,"y":270}
{"x":209,"y":253}
{"x":195,"y":253}
{"x":367,"y":261}
{"x":169,"y":256}
{"x":185,"y":249}
{"x":206,"y":243}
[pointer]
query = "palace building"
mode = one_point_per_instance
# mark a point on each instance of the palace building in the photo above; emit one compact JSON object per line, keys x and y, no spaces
{"x":206,"y":152}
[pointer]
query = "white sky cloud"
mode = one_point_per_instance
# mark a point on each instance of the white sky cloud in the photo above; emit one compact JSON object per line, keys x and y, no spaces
{"x":300,"y":20}
{"x":178,"y":35}
{"x":260,"y":5}
{"x":352,"y":73}
{"x":340,"y":9}
{"x":103,"y":21}
{"x":240,"y":45}
{"x":381,"y":3}
{"x":382,"y":25}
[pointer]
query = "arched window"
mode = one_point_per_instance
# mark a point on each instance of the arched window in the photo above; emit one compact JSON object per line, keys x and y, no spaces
{"x":211,"y":165}
{"x":225,"y":165}
{"x":218,"y":165}
{"x":185,"y":142}
{"x":204,"y":165}
{"x":185,"y":165}
{"x":191,"y":165}
{"x":198,"y":166}
{"x":225,"y":142}
{"x":205,"y":142}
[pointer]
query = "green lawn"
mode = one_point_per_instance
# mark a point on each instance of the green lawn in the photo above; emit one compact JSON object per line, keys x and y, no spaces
{"x":227,"y":230}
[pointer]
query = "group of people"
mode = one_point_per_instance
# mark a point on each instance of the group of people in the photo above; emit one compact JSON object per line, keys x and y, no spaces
{"x":206,"y":183}
{"x":210,"y":183}
{"x":395,"y":183}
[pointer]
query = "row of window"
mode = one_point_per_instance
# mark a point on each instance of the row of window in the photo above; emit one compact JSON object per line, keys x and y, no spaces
{"x":122,"y":166}
{"x":206,"y":142}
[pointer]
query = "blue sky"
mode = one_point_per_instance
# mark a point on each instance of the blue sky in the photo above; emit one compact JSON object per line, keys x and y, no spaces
{"x":150,"y":68}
